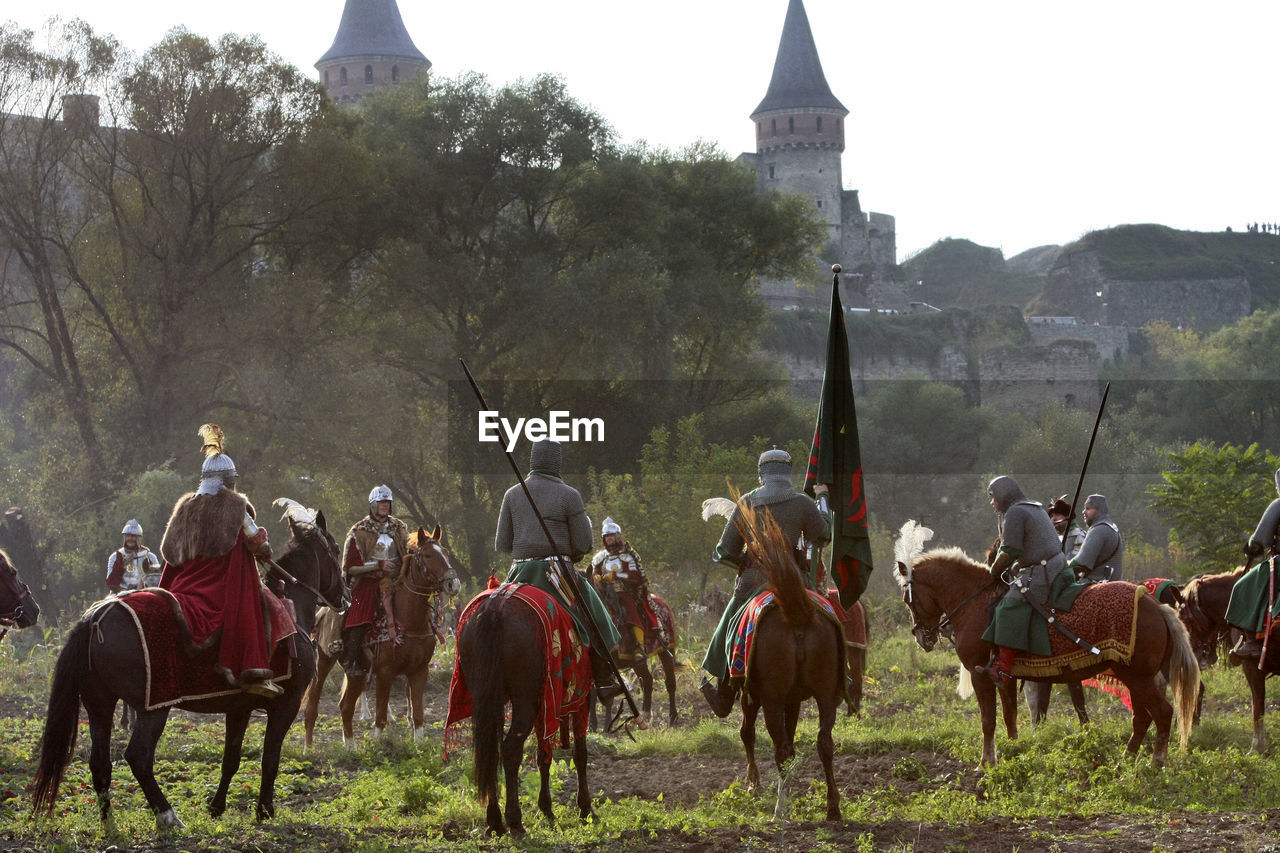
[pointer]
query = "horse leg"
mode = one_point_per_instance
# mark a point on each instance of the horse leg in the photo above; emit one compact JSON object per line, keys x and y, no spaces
{"x":1037,"y":699}
{"x":580,"y":764}
{"x":311,"y":701}
{"x":668,"y":661}
{"x":827,"y":709}
{"x":1149,"y":703}
{"x":512,"y":753}
{"x":417,"y":684}
{"x":148,"y":726}
{"x":985,"y":692}
{"x":641,"y":669}
{"x":780,"y":721}
{"x":544,"y":788}
{"x":279,"y":719}
{"x":382,"y":697}
{"x":1009,"y":707}
{"x":1076,"y":689}
{"x":100,"y":709}
{"x":748,"y":733}
{"x":857,"y":659}
{"x":232,"y":748}
{"x":351,"y":690}
{"x":1258,"y":691}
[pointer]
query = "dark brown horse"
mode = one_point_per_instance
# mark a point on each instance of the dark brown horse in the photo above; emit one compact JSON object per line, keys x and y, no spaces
{"x":1204,"y":613}
{"x":638,"y":662}
{"x":799,"y":654}
{"x":117,"y":670}
{"x":505,"y":654}
{"x":18,"y":608}
{"x":419,"y":598}
{"x":947,"y":593}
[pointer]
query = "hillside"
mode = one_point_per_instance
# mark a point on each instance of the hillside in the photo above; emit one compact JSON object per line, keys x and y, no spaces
{"x":961,"y":274}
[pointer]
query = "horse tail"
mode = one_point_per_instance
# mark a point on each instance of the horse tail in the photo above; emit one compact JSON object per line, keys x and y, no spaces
{"x":62,"y":721}
{"x":770,"y":551}
{"x":483,"y":672}
{"x":1184,"y":673}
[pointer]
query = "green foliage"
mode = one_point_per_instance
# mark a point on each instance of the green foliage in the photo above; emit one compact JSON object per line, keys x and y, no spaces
{"x":1213,"y":496}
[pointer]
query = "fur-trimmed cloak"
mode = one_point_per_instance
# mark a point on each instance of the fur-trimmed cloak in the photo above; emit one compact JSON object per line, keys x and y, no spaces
{"x":204,"y":526}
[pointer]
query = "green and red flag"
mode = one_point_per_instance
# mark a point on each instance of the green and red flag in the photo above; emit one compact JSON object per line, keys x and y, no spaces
{"x":835,"y":458}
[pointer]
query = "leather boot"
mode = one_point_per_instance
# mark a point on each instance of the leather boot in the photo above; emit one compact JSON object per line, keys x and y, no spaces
{"x":1248,"y":647}
{"x":353,"y":650}
{"x":607,"y":687}
{"x":998,"y":666}
{"x":720,"y":697}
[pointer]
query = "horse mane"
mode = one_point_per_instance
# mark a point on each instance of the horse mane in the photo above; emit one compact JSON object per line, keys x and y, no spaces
{"x":952,"y":559}
{"x":768,"y":548}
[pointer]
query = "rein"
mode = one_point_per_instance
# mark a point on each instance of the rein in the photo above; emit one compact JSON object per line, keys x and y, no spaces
{"x":435,"y":587}
{"x":339,"y":605}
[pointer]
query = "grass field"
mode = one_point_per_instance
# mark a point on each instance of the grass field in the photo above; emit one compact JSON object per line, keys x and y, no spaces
{"x":906,"y":768}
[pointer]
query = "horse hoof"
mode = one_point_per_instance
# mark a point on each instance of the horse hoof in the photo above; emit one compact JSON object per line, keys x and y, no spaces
{"x":168,"y":819}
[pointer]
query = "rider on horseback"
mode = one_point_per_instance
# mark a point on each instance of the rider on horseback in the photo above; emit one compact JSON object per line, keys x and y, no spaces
{"x":134,"y":565}
{"x":616,"y":571}
{"x":1068,"y":528}
{"x":1032,"y":552}
{"x":209,"y":548}
{"x":1253,"y":596}
{"x":537,"y":562}
{"x":1100,"y":558}
{"x":796,"y":515}
{"x":373,"y":550}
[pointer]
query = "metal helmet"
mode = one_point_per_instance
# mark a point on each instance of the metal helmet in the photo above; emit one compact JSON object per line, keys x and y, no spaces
{"x":545,"y":457}
{"x":609,"y":526}
{"x":380,"y":493}
{"x":132,"y":526}
{"x":216,"y":472}
{"x":774,"y":464}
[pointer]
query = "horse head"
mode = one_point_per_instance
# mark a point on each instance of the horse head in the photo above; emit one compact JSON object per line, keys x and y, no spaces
{"x":18,"y":607}
{"x":312,"y":556}
{"x":428,"y":567}
{"x":1203,"y":609}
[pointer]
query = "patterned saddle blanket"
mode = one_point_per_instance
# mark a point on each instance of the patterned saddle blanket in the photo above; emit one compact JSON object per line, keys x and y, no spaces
{"x":1105,"y":614}
{"x":742,"y":644}
{"x":176,"y":670}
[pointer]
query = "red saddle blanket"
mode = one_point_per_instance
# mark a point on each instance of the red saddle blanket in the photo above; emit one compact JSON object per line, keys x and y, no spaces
{"x":652,"y":640}
{"x":1105,"y":614}
{"x":175,"y":670}
{"x":742,"y":646}
{"x":568,"y":673}
{"x":854,"y":619}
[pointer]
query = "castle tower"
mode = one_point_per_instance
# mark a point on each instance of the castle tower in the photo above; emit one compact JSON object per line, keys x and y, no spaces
{"x":800,"y":124}
{"x":371,"y":51}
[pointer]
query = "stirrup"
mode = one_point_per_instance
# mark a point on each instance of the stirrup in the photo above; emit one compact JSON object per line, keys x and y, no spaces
{"x":992,"y":670}
{"x":266,"y":689}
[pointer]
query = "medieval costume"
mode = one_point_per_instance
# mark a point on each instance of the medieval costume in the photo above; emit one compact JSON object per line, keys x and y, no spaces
{"x":615,"y":571}
{"x":1101,"y":557}
{"x":1064,"y":522}
{"x":373,"y":550}
{"x":550,"y":567}
{"x":1255,"y":599}
{"x":799,"y":519}
{"x":209,"y":548}
{"x":133,"y":565}
{"x":1031,"y":552}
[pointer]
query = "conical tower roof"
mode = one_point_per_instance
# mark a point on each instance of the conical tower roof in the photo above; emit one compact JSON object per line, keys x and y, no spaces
{"x":798,"y":80}
{"x":372,"y":28}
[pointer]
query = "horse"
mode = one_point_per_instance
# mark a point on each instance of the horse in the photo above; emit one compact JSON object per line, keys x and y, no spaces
{"x":638,"y":662}
{"x":797,"y":653}
{"x":1204,"y":613}
{"x":116,"y":669}
{"x":18,"y":607}
{"x":947,"y":594}
{"x":514,"y":645}
{"x":419,"y":598}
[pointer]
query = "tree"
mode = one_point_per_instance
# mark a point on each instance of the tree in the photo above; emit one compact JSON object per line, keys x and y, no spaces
{"x":1212,"y":496}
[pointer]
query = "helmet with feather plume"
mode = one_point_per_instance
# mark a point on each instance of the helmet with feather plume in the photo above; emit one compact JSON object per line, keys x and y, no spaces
{"x":218,"y":471}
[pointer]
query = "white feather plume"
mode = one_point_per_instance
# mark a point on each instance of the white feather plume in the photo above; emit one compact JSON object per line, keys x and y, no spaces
{"x":295,"y":512}
{"x":910,"y":544}
{"x":717,"y":506}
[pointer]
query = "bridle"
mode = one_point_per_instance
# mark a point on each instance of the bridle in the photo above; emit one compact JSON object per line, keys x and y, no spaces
{"x":417,"y":560}
{"x":13,"y":618}
{"x":342,"y":602}
{"x":928,"y":635}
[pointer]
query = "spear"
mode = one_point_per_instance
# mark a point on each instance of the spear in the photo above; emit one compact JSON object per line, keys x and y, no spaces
{"x":1085,"y":466}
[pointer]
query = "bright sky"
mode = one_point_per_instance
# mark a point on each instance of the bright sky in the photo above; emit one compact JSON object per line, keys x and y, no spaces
{"x":1007,"y":122}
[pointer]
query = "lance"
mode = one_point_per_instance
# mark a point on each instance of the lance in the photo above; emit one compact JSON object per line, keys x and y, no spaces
{"x":571,"y":576}
{"x":1085,"y":466}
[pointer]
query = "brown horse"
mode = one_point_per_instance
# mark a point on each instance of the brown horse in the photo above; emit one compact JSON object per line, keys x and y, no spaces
{"x":116,"y":669}
{"x":947,"y":594}
{"x":419,"y":598}
{"x":507,"y":654}
{"x":799,"y":653}
{"x":18,"y":608}
{"x":1204,"y":613}
{"x":654,"y":646}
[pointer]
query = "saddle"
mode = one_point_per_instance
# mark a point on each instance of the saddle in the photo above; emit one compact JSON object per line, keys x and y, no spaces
{"x":743,"y":634}
{"x":1106,"y":614}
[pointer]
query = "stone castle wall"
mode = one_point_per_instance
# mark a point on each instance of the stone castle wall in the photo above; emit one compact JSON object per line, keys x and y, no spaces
{"x":1112,"y":341}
